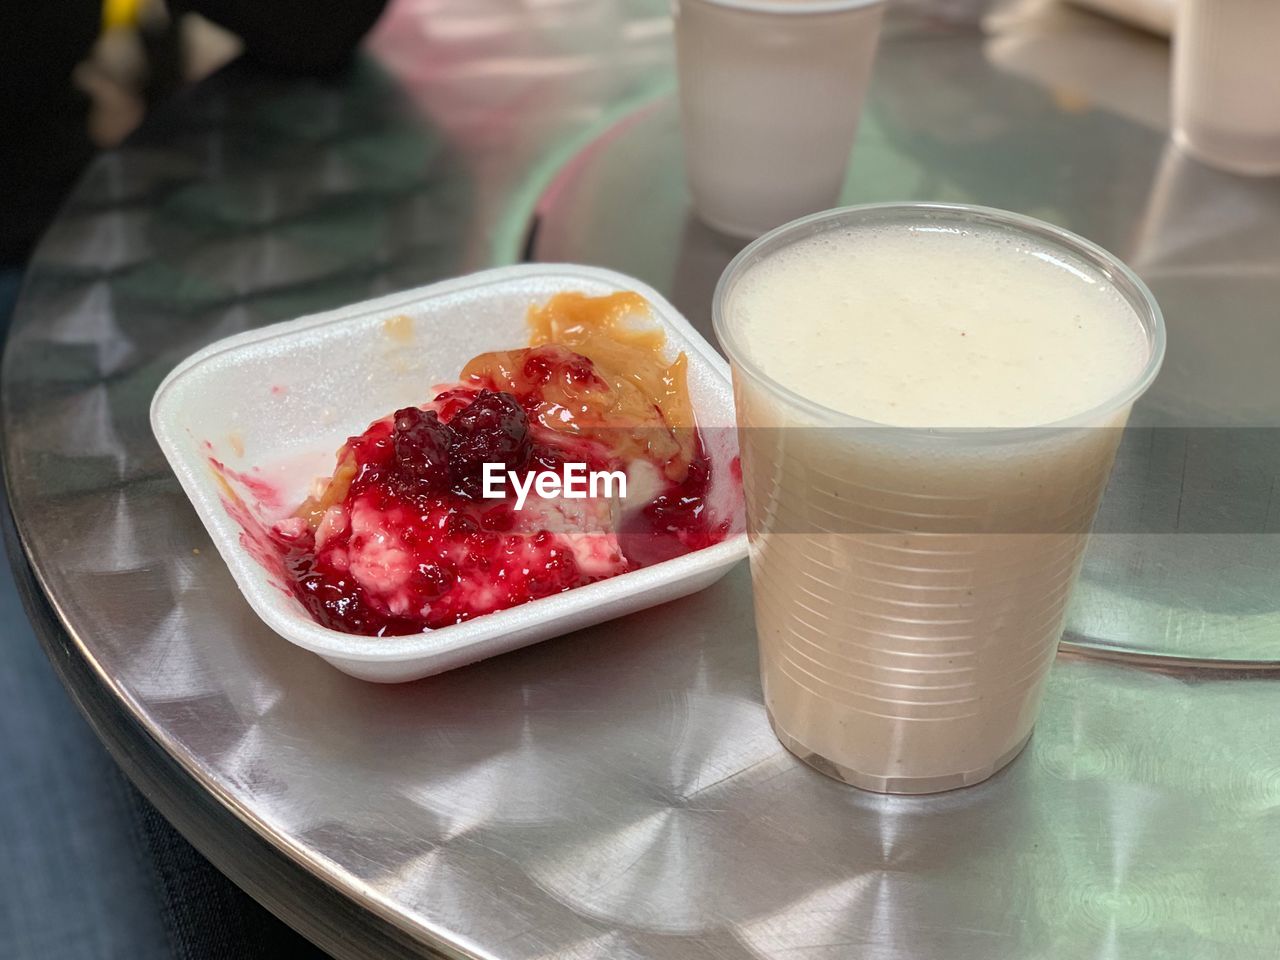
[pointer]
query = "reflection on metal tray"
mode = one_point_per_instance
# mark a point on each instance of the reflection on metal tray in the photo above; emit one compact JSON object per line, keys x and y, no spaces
{"x":1185,"y":564}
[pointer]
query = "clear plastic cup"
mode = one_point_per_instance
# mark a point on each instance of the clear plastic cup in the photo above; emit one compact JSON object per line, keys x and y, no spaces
{"x":910,"y":584}
{"x":1226,"y":83}
{"x":770,"y":95}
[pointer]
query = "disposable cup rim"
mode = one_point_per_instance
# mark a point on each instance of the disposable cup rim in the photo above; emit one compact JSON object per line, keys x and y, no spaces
{"x":1111,"y":267}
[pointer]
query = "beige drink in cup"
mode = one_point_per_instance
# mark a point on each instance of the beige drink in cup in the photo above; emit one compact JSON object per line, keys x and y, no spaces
{"x":770,"y":95}
{"x":929,"y":401}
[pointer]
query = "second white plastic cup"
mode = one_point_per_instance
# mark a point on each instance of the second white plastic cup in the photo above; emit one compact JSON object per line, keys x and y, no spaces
{"x":770,"y":96}
{"x":1226,"y":84}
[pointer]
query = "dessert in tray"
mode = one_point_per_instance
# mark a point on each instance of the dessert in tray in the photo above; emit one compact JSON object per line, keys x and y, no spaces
{"x":404,"y":559}
{"x":432,"y":515}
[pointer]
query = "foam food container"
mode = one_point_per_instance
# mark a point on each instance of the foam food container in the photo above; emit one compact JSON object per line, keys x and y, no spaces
{"x":274,"y":405}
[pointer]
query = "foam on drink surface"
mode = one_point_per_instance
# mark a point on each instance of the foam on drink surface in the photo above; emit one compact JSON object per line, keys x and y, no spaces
{"x":938,"y":326}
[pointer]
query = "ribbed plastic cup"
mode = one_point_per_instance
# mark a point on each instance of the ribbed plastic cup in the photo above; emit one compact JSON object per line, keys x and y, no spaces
{"x":910,"y":584}
{"x":770,"y":96}
{"x":1226,"y":83}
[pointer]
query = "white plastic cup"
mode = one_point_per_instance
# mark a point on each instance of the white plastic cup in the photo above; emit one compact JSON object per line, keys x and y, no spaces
{"x":910,"y":584}
{"x":770,"y":95}
{"x":1226,"y":83}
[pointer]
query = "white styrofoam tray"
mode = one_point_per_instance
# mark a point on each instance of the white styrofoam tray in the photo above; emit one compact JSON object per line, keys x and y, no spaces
{"x":275,"y":404}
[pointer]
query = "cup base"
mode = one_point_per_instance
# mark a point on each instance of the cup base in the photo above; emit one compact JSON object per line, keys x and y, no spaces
{"x":1259,"y":162}
{"x":727,"y":228}
{"x":906,"y":786}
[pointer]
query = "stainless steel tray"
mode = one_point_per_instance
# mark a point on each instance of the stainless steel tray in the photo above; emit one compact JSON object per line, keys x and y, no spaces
{"x":615,"y":793}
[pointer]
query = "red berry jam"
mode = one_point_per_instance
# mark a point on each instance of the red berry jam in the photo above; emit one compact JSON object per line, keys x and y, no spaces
{"x":402,"y":538}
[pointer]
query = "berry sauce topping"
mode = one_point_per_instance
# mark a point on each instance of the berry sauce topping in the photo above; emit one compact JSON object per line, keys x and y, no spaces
{"x":401,"y":539}
{"x":492,"y":428}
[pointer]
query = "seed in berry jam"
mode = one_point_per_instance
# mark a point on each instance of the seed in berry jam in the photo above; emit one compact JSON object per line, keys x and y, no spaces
{"x":537,"y":368}
{"x":422,"y":450}
{"x":482,"y":542}
{"x":431,"y":581}
{"x":493,"y":428}
{"x":500,"y":518}
{"x":460,"y":524}
{"x":580,"y":370}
